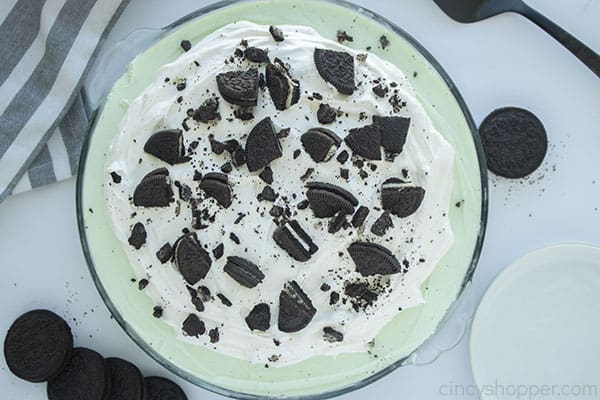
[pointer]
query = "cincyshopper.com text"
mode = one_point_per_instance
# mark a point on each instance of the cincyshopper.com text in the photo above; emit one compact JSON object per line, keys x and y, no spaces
{"x":520,"y":391}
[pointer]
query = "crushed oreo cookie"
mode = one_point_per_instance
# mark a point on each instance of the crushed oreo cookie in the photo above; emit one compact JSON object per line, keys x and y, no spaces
{"x":116,"y":178}
{"x":360,"y":216}
{"x":224,"y":300}
{"x":165,"y":253}
{"x":331,"y":335}
{"x":276,"y":33}
{"x":259,"y":317}
{"x":362,"y":295}
{"x":193,"y":326}
{"x":256,"y":55}
{"x":267,"y":194}
{"x":382,"y":224}
{"x":266,"y":175}
{"x":218,"y":251}
{"x":138,"y":236}
{"x":208,"y":111}
{"x":342,"y":36}
{"x":186,"y":45}
{"x":337,"y":222}
{"x":326,"y":114}
{"x":343,"y":157}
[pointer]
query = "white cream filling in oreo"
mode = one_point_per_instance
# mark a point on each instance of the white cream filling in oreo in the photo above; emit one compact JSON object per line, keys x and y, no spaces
{"x":421,"y":239}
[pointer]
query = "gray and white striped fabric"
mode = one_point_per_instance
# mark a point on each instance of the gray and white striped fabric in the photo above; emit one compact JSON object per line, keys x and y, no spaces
{"x":46,"y":48}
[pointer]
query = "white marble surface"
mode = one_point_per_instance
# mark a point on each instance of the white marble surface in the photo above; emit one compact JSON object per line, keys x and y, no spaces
{"x":498,"y":62}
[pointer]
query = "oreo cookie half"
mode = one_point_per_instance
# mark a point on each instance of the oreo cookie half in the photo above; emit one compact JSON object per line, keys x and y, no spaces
{"x":239,"y":87}
{"x":365,"y":141}
{"x":84,"y":377}
{"x":191,"y":258}
{"x":154,"y":190}
{"x":216,"y":185}
{"x":336,"y":68}
{"x":320,"y":143}
{"x":326,"y":199}
{"x":295,"y":308}
{"x":259,"y":318}
{"x":243,"y":271}
{"x":158,"y":388}
{"x":38,"y":345}
{"x":393,"y":132}
{"x":295,"y":241}
{"x":262,"y":145}
{"x":127,"y":382}
{"x":373,"y":259}
{"x":400,"y":198}
{"x":514,"y":141}
{"x":285,"y":91}
{"x":167,"y":145}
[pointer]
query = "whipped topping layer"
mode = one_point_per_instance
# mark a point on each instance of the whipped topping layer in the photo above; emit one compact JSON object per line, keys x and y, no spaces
{"x":245,"y":229}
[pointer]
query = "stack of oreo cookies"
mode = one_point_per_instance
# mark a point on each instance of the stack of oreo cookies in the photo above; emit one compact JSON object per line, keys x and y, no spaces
{"x":39,"y":348}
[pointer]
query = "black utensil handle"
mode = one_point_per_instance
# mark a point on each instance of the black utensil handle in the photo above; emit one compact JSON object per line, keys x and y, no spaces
{"x":580,"y":50}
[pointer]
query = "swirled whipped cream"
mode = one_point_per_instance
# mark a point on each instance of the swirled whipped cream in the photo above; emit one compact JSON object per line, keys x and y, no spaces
{"x":262,"y":241}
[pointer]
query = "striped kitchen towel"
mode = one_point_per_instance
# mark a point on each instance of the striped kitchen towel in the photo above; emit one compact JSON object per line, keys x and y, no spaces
{"x":46,"y":47}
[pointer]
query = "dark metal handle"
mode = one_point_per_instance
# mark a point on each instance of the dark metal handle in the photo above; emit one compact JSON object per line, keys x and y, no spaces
{"x":580,"y":50}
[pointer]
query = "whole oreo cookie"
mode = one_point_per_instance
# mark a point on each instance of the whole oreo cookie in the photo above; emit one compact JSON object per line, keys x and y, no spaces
{"x":126,"y":380}
{"x":158,"y":388}
{"x":38,"y":345}
{"x":86,"y":377}
{"x":514,"y":141}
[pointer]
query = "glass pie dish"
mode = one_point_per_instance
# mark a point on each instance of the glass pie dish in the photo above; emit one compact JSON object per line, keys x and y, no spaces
{"x":416,"y":335}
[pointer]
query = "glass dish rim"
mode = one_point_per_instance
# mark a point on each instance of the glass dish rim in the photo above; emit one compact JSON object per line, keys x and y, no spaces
{"x":155,"y":355}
